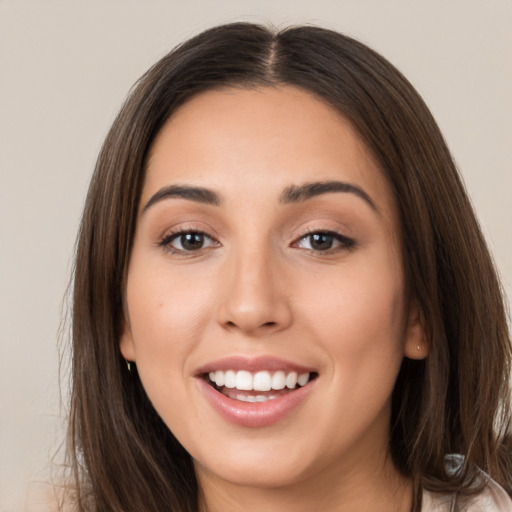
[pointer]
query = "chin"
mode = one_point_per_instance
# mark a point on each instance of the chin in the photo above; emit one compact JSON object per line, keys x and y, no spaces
{"x":260,"y":464}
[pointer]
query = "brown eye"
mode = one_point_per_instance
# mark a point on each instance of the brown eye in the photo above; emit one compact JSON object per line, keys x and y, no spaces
{"x":187,"y":241}
{"x":321,"y":241}
{"x":324,"y":241}
{"x":191,"y":241}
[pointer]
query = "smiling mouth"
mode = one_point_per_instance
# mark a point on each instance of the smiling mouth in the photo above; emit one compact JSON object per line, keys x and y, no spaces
{"x":259,"y":386}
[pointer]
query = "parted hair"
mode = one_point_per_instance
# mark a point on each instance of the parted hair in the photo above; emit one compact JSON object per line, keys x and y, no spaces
{"x":457,"y":400}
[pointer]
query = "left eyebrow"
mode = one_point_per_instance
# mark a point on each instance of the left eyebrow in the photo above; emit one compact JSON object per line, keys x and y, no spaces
{"x":299,"y":193}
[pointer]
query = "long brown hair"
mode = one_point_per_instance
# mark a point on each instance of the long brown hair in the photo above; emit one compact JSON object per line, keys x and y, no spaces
{"x":456,"y":401}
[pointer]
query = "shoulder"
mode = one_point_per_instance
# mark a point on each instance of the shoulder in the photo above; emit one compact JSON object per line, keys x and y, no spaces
{"x":493,"y":498}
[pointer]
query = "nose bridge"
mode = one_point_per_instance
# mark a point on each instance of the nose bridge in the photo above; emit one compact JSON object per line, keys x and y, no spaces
{"x":254,"y":299}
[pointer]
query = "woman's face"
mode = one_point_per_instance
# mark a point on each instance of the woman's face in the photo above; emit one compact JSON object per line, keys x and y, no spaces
{"x":265,"y":295}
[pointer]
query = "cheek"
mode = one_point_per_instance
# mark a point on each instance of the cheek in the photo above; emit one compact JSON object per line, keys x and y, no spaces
{"x":357,"y":321}
{"x":167,"y":319}
{"x":358,"y":315}
{"x":167,"y":312}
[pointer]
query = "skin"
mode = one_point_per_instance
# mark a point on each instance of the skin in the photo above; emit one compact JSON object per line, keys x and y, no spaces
{"x":258,"y":288}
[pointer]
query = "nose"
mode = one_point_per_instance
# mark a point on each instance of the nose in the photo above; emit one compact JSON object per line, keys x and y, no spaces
{"x":255,"y":300}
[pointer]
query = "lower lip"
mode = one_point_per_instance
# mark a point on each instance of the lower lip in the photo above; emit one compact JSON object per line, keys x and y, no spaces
{"x":255,"y":415}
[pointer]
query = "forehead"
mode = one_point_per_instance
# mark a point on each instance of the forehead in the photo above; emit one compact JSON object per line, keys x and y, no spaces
{"x":249,"y":139}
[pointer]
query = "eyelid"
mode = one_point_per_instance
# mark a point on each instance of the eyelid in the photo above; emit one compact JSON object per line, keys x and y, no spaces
{"x":171,"y":235}
{"x":346,"y":243}
{"x":186,"y":225}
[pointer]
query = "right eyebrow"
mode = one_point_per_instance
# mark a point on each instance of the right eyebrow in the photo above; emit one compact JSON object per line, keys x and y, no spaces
{"x":198,"y":194}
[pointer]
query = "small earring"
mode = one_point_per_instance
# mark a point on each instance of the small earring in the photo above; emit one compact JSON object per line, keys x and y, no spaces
{"x":129,"y":365}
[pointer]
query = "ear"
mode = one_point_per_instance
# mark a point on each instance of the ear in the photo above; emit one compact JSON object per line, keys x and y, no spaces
{"x":126,"y":344}
{"x":416,"y":346}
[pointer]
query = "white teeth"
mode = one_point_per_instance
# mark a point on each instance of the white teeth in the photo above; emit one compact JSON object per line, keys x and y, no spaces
{"x":246,"y":398}
{"x":279,"y":380}
{"x":259,"y":381}
{"x":262,"y":381}
{"x":303,"y":379}
{"x":219,"y":378}
{"x":291,"y":380}
{"x":243,"y":380}
{"x":254,"y":398}
{"x":229,"y":379}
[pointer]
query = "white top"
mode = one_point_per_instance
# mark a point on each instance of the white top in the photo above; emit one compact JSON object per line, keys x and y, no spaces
{"x":492,"y":499}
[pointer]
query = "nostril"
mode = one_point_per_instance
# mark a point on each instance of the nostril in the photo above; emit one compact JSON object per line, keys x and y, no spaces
{"x":266,"y":324}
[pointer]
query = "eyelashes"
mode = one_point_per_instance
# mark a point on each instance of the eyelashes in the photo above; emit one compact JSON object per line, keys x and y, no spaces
{"x":187,"y":241}
{"x":324,"y":242}
{"x":190,"y":242}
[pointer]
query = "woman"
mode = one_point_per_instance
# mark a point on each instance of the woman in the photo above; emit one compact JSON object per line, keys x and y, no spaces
{"x":282,"y":298}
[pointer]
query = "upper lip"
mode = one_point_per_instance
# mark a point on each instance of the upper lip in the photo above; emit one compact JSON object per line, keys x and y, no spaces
{"x":253,"y":364}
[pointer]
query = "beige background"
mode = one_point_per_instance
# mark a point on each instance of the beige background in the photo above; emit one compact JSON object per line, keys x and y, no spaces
{"x":65,"y":67}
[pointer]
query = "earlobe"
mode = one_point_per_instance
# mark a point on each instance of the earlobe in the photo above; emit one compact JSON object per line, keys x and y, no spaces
{"x":416,"y":346}
{"x":126,"y":344}
{"x":416,"y":351}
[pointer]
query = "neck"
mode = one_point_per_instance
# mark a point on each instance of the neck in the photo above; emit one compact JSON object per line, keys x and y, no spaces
{"x":331,"y":490}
